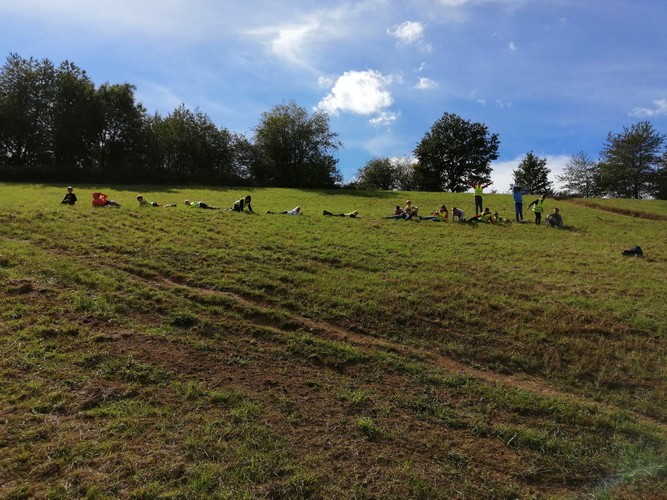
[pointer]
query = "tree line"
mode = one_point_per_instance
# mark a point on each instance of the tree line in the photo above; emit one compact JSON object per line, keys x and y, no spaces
{"x":455,"y":152}
{"x":56,"y":125}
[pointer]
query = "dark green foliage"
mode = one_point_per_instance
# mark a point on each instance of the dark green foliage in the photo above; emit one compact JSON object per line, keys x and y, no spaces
{"x":454,"y":152}
{"x":631,"y":161}
{"x":532,"y":175}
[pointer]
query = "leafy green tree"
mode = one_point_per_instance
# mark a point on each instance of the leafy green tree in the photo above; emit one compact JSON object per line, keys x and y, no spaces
{"x":580,"y":176}
{"x":121,"y":139}
{"x":630,"y":161}
{"x":378,"y":173}
{"x":73,"y":118}
{"x":404,"y":173}
{"x":660,"y":179}
{"x":27,"y":89}
{"x":295,"y":148}
{"x":532,"y":175}
{"x":454,"y":152}
{"x":187,"y":146}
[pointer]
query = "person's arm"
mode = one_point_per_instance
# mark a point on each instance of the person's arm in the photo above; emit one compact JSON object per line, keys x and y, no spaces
{"x":532,"y":203}
{"x":487,"y":185}
{"x":249,"y":207}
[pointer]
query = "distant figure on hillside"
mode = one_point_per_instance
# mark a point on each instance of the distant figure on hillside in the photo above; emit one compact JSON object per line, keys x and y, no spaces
{"x":294,"y":211}
{"x":555,"y":219}
{"x":497,"y":219}
{"x":199,"y":204}
{"x":399,"y":213}
{"x":442,"y":215}
{"x":353,"y":215}
{"x":538,"y":208}
{"x":145,"y":203}
{"x":479,"y":190}
{"x":410,"y":210}
{"x":518,"y":193}
{"x":458,"y":215}
{"x":241,"y":204}
{"x":101,"y":200}
{"x":70,"y":197}
{"x":486,"y":216}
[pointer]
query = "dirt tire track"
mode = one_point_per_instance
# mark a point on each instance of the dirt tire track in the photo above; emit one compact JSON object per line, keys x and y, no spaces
{"x":522,"y":381}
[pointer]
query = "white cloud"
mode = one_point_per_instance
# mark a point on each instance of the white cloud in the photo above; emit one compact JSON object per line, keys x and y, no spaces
{"x":289,"y":41}
{"x":360,"y":92}
{"x":384,"y":118}
{"x":659,"y":109}
{"x":426,"y":84}
{"x":503,"y":171}
{"x":512,"y":47}
{"x":408,"y":32}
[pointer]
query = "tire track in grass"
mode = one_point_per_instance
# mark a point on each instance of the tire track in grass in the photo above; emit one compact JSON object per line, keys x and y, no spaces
{"x":330,"y":331}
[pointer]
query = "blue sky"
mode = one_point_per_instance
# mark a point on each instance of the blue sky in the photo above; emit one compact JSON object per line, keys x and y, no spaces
{"x":548,"y":76}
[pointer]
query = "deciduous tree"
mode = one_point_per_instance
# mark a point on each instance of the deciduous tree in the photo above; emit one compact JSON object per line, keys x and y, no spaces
{"x":454,"y":152}
{"x":295,"y":148}
{"x":580,"y":176}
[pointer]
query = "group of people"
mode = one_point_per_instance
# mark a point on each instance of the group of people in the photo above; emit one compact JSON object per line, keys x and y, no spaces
{"x":408,"y":212}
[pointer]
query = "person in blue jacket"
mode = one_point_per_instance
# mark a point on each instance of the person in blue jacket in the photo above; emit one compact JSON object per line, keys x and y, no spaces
{"x":518,"y":193}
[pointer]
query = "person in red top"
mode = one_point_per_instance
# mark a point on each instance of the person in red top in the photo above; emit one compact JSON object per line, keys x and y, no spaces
{"x":100,"y":200}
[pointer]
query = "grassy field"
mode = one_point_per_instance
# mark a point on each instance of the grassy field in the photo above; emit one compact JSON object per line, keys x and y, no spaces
{"x":177,"y":352}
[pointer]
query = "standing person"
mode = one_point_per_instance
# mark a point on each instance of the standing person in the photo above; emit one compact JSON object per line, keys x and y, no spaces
{"x":70,"y":197}
{"x":241,"y":204}
{"x":199,"y":204}
{"x":518,"y":193}
{"x":479,"y":190}
{"x":555,"y":219}
{"x":101,"y":200}
{"x":538,"y":208}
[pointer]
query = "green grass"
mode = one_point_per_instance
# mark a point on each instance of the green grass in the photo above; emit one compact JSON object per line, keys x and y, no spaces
{"x":195,"y":353}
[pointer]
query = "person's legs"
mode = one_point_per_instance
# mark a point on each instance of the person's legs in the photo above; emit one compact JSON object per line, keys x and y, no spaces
{"x":518,"y":208}
{"x":478,"y":205}
{"x":538,"y":218}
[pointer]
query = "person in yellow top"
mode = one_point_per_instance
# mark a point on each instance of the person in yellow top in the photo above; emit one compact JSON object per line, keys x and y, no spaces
{"x":538,"y":208}
{"x":486,"y":216}
{"x":441,"y":215}
{"x":479,"y":190}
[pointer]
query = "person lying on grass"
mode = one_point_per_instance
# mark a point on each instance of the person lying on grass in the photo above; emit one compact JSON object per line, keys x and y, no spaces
{"x":200,"y":204}
{"x":497,"y":219}
{"x":294,"y":211}
{"x":145,"y":203}
{"x":241,"y":204}
{"x":101,"y":200}
{"x":442,"y":215}
{"x":350,"y":214}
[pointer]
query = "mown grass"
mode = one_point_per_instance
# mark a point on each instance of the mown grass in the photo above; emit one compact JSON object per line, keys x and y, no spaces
{"x":180,"y":352}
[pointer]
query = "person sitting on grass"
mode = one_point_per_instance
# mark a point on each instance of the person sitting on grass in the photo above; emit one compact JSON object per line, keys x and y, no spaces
{"x":486,"y":216}
{"x":410,"y":211}
{"x":353,"y":215}
{"x":399,"y":213}
{"x":458,"y":215}
{"x":555,"y":219}
{"x":441,"y":215}
{"x":241,"y":204}
{"x":101,"y":200}
{"x":70,"y":197}
{"x":145,"y":203}
{"x":200,"y":204}
{"x":294,"y":211}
